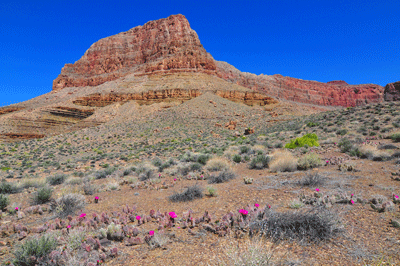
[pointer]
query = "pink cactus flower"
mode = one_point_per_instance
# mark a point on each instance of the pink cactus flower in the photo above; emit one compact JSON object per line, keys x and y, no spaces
{"x":269,"y":206}
{"x":68,"y":226}
{"x":396,"y":196}
{"x":243,"y":211}
{"x":82,"y":215}
{"x":352,"y":195}
{"x":174,"y":179}
{"x":352,"y":201}
{"x":257,"y":205}
{"x":317,"y":189}
{"x":151,"y":233}
{"x":16,"y":208}
{"x":159,"y":175}
{"x":138,"y":217}
{"x":172,"y":214}
{"x":327,"y":161}
{"x":335,"y":143}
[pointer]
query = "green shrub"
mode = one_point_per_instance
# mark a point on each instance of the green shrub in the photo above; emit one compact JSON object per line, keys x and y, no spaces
{"x":237,"y":158}
{"x":56,"y":179}
{"x":396,"y":137}
{"x":35,"y":251}
{"x":345,"y":145}
{"x":4,"y":201}
{"x":260,"y":162}
{"x":312,"y":124}
{"x":308,"y":139}
{"x":42,"y":196}
{"x":203,"y":158}
{"x":244,"y":149}
{"x":309,"y":161}
{"x":212,"y":192}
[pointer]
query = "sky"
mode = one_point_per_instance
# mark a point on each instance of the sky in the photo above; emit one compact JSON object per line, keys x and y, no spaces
{"x":322,"y":40}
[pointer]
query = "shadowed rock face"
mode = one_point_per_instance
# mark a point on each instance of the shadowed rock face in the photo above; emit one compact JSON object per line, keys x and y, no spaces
{"x":392,"y":91}
{"x":168,"y":45}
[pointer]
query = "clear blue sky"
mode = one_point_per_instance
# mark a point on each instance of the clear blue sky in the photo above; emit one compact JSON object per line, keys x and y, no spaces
{"x":352,"y":40}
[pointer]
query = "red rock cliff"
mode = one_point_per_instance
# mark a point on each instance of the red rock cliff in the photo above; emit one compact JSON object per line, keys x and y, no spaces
{"x":337,"y":93}
{"x":392,"y":91}
{"x":167,"y":44}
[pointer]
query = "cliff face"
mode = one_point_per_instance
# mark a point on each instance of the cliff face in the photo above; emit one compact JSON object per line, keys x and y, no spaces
{"x":169,"y":45}
{"x":392,"y":91}
{"x":162,"y":45}
{"x":336,"y":93}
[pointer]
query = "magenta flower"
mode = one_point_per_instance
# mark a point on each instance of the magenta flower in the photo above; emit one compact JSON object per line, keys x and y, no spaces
{"x":396,"y":196}
{"x":352,"y":201}
{"x":172,"y":215}
{"x":96,"y":198}
{"x":138,"y":217}
{"x":159,"y":175}
{"x":327,"y":161}
{"x":269,"y":206}
{"x":257,"y":205}
{"x":352,"y":195}
{"x":151,"y":233}
{"x":243,"y":212}
{"x":335,"y":143}
{"x":82,"y":215}
{"x":174,"y":179}
{"x":16,"y":208}
{"x":317,"y":189}
{"x":68,"y":226}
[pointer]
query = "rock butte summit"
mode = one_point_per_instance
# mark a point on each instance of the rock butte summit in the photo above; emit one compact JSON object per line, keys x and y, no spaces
{"x":169,"y":45}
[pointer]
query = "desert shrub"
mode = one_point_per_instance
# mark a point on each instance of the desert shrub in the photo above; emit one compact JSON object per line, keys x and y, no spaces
{"x":89,"y":189}
{"x":252,"y":252}
{"x":189,"y":156}
{"x":145,"y":171}
{"x":217,"y":164}
{"x":237,"y":158}
{"x":387,"y":147}
{"x":68,"y":204}
{"x":296,"y":204}
{"x":4,"y":201}
{"x":283,"y":161}
{"x":166,"y":164}
{"x":8,"y":187}
{"x":157,"y":162}
{"x":309,"y":161}
{"x":104,"y":173}
{"x":347,"y":146}
{"x":56,"y":179}
{"x":42,"y":195}
{"x":191,"y":193}
{"x":35,"y":250}
{"x":312,"y":180}
{"x":223,"y":176}
{"x":342,"y":132}
{"x":244,"y":149}
{"x":196,"y":167}
{"x":395,"y":137}
{"x":260,"y":162}
{"x":308,"y":139}
{"x":203,"y":158}
{"x":76,"y":238}
{"x":313,"y":226}
{"x":212,"y":192}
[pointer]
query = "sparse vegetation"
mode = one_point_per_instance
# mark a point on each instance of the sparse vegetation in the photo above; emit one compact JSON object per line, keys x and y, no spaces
{"x":191,"y":193}
{"x":309,"y":139}
{"x":42,"y":195}
{"x":223,"y":176}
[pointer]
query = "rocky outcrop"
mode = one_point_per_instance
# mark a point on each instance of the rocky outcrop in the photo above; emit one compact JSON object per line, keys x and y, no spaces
{"x":392,"y":91}
{"x":336,"y":93}
{"x":162,"y":45}
{"x":150,"y":97}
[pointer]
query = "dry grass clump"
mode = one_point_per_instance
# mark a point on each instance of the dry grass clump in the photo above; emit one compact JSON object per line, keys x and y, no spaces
{"x":251,"y":252}
{"x":231,"y":151}
{"x":218,"y":164}
{"x":372,"y":153}
{"x":68,"y":204}
{"x":283,"y":161}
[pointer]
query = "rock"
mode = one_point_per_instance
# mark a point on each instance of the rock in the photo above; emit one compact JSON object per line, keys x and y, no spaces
{"x":337,"y":93}
{"x":164,"y":45}
{"x":21,"y":215}
{"x":392,"y":91}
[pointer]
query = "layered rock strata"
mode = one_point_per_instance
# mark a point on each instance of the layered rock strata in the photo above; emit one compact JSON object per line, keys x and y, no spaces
{"x":163,"y":45}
